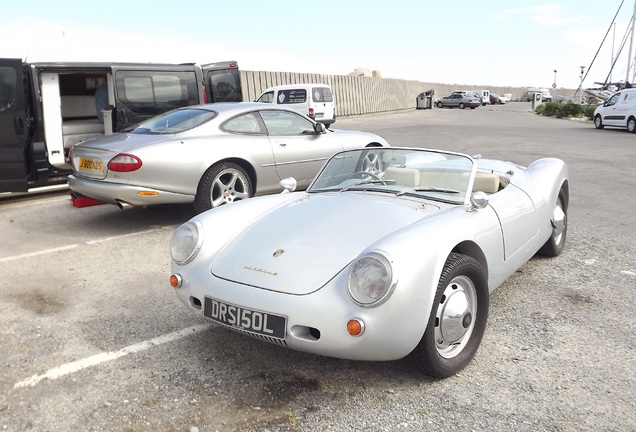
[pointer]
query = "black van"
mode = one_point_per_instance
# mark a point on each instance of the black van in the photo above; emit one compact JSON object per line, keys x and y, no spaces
{"x":46,"y":108}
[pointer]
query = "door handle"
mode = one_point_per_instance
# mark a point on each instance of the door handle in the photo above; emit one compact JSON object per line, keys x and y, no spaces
{"x":281,"y":144}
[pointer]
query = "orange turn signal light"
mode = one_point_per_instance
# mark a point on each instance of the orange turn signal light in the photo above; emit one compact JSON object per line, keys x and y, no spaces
{"x":355,"y":327}
{"x":175,"y":281}
{"x":147,"y":193}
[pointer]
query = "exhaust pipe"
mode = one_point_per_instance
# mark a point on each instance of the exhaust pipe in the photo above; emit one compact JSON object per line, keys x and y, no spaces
{"x":123,"y":205}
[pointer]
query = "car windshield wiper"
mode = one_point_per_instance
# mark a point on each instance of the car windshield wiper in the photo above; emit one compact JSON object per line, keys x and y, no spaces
{"x":429,"y":189}
{"x":367,"y":181}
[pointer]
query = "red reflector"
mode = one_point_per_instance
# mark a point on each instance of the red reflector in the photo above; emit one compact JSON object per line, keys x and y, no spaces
{"x":124,"y":163}
{"x":311,"y":112}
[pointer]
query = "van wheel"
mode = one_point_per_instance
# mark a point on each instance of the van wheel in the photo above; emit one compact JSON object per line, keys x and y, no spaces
{"x":222,"y":183}
{"x":598,"y":122}
{"x":631,"y":125}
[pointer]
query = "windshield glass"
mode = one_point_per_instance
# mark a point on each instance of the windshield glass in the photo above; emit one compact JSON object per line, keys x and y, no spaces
{"x":174,"y":121}
{"x":432,"y":174}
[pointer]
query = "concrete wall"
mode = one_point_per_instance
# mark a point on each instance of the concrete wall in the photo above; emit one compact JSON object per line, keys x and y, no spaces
{"x":356,"y":95}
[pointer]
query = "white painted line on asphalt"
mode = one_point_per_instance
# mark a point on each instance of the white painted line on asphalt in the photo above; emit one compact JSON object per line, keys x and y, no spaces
{"x":97,"y":359}
{"x":106,"y":239}
{"x":90,"y":243}
{"x":34,"y":202}
{"x":42,"y":252}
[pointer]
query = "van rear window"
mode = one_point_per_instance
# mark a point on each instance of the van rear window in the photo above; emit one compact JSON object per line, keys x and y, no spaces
{"x":321,"y":94}
{"x":292,"y":96}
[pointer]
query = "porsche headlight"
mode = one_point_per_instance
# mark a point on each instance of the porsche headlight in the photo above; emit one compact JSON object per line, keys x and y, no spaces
{"x":370,"y":280}
{"x":186,"y":242}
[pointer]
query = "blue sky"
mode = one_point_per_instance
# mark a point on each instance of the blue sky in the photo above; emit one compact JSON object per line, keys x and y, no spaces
{"x":488,"y":42}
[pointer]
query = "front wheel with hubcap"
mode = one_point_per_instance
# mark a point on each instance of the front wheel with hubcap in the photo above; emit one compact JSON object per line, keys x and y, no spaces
{"x":462,"y":106}
{"x":631,"y":125}
{"x":598,"y":122}
{"x":457,"y":320}
{"x":222,"y":183}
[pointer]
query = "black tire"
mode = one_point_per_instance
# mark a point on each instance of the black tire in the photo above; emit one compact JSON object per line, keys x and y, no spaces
{"x":439,"y":104}
{"x":598,"y":122}
{"x":555,"y":244}
{"x":631,"y":125}
{"x":461,"y":105}
{"x":449,"y":343}
{"x":222,"y":183}
{"x":473,"y":107}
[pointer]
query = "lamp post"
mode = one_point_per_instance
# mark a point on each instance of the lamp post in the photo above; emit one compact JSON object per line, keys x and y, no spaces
{"x":581,"y":94}
{"x":554,"y":86}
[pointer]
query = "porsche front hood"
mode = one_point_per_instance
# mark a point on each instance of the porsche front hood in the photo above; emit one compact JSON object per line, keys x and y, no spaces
{"x":299,"y":247}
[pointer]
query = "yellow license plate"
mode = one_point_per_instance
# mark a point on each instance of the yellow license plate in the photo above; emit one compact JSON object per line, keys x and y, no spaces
{"x":90,"y":164}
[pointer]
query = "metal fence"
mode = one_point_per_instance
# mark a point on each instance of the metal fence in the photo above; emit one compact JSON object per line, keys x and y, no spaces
{"x":355,"y":95}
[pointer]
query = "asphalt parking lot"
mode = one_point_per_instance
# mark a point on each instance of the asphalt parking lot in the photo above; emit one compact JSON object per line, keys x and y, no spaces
{"x":92,"y":337}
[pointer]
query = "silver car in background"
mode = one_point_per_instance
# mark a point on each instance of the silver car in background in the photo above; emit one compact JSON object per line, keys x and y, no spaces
{"x":207,"y":155}
{"x":459,"y":100}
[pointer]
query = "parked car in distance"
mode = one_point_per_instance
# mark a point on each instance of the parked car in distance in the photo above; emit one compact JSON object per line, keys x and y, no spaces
{"x":391,"y":252}
{"x":495,"y":99}
{"x":619,"y":111}
{"x":460,"y":100}
{"x":208,"y":155}
{"x":546,"y":96}
{"x":313,"y":100}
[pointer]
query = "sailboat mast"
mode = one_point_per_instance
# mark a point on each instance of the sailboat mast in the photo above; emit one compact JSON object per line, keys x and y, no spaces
{"x":631,"y":43}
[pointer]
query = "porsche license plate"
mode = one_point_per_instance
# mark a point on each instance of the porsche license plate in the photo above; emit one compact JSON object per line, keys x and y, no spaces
{"x":91,"y":164}
{"x":245,"y":319}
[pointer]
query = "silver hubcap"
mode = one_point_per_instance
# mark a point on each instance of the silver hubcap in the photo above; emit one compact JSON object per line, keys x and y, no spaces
{"x":230,"y":185}
{"x":559,"y":223}
{"x":372,"y":163}
{"x":455,"y":317}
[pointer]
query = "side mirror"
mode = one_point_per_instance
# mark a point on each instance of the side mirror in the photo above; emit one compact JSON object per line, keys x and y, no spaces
{"x":319,"y":128}
{"x":478,"y":201}
{"x":289,"y":184}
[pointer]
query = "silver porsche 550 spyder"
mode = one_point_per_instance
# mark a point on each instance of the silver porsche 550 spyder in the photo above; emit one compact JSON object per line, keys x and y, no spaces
{"x":390,"y":252}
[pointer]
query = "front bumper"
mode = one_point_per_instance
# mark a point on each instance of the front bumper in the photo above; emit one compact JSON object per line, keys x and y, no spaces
{"x":122,"y":195}
{"x":317,"y":322}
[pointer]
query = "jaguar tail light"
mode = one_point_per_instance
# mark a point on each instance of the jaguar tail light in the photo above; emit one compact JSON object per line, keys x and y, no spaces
{"x":124,"y":162}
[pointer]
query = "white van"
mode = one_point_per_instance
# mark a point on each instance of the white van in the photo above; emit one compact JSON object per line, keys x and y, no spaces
{"x":619,"y":110}
{"x":313,"y":100}
{"x":546,"y":96}
{"x":484,"y":95}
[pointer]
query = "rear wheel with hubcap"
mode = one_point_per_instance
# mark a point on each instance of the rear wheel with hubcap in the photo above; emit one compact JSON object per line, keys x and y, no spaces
{"x":457,"y":320}
{"x":222,"y":183}
{"x":555,"y":244}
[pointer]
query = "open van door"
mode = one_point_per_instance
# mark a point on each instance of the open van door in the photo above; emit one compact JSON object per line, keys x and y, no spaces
{"x":146,"y":90}
{"x":222,"y":82}
{"x":13,"y":127}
